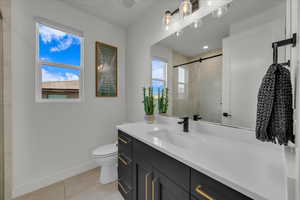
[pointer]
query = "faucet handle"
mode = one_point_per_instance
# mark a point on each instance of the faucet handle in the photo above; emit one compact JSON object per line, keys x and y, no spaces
{"x":197,"y":117}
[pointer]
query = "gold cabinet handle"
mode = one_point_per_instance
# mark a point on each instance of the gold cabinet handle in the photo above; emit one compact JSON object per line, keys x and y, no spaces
{"x":122,"y":160}
{"x":153,"y":191}
{"x":155,"y":194}
{"x":122,"y":140}
{"x":146,"y":184}
{"x":122,"y":187}
{"x":202,"y":193}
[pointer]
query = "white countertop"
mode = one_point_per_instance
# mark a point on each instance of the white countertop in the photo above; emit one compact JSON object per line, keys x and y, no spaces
{"x":237,"y":160}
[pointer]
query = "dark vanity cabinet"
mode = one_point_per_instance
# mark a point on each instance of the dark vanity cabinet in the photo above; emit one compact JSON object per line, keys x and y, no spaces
{"x":145,"y":173}
{"x":125,"y":165}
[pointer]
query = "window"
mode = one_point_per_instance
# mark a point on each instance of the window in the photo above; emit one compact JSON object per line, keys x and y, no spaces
{"x":159,"y":75}
{"x":59,"y":64}
{"x":182,"y":82}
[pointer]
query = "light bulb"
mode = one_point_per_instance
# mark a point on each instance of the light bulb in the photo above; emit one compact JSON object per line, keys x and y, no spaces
{"x":219,"y":12}
{"x":167,"y":19}
{"x":185,"y":8}
{"x":198,"y":23}
{"x":178,"y":33}
{"x":209,"y":3}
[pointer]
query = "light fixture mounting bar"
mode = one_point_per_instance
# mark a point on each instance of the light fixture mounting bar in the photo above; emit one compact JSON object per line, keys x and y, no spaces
{"x":195,"y":4}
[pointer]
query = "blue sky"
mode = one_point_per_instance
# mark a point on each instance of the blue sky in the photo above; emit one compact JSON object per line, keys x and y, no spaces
{"x":59,"y":47}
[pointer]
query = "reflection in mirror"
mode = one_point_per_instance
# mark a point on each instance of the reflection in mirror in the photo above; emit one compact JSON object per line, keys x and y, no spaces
{"x":215,"y":70}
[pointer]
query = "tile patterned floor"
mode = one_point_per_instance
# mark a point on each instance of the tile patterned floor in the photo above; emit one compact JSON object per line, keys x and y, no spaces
{"x":82,"y":187}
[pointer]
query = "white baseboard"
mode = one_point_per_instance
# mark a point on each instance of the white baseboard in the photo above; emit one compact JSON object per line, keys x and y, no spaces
{"x":34,"y":185}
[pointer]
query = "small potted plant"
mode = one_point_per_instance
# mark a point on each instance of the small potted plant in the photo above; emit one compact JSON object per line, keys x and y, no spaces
{"x":163,"y":101}
{"x":149,"y":105}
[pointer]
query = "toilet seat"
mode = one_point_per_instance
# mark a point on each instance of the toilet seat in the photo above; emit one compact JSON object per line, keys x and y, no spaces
{"x":106,"y":151}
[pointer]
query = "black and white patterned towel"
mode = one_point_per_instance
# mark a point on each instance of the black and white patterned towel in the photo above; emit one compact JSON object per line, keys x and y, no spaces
{"x":274,"y":122}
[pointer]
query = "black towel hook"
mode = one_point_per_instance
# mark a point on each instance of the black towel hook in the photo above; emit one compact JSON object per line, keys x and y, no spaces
{"x":276,"y":45}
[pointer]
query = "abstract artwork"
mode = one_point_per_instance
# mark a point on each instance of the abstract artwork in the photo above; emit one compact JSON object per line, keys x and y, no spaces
{"x":106,"y":70}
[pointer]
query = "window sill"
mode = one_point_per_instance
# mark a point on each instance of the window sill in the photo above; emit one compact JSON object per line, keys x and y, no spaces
{"x":58,"y":100}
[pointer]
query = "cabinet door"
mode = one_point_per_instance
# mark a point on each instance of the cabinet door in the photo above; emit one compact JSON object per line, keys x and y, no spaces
{"x":144,"y":176}
{"x":164,"y":189}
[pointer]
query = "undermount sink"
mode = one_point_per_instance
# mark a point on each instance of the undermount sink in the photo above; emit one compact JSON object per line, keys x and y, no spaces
{"x":173,"y":137}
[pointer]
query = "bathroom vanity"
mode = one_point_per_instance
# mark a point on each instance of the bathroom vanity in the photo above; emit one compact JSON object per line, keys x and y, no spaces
{"x":159,"y":163}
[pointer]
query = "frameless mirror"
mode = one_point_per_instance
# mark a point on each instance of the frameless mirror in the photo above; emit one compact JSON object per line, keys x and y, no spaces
{"x":215,"y":70}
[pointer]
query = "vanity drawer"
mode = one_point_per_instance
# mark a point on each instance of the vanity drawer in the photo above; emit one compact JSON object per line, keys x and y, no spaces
{"x":125,"y":144}
{"x":206,"y":188}
{"x":125,"y":169}
{"x":171,"y":168}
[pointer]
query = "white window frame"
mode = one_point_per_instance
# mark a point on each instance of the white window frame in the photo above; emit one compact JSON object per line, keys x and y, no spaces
{"x":39,"y":63}
{"x":184,"y":83}
{"x":165,"y":75}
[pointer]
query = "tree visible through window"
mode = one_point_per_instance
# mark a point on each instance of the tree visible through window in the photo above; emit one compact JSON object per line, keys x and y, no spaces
{"x":59,"y":67}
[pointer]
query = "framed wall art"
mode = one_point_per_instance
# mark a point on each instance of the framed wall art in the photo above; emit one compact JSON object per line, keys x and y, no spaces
{"x":106,"y":70}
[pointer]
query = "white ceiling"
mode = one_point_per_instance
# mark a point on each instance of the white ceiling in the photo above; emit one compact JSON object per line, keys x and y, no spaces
{"x":114,"y":11}
{"x":191,"y":41}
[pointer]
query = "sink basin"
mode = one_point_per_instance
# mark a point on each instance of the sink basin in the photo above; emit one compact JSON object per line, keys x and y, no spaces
{"x":164,"y":135}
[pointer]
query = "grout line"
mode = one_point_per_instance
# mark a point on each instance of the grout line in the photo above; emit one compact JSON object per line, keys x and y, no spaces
{"x":65,"y":196}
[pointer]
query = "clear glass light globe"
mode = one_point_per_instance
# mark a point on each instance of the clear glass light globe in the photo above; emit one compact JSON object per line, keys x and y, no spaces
{"x":185,"y":8}
{"x":219,"y":12}
{"x":167,"y":20}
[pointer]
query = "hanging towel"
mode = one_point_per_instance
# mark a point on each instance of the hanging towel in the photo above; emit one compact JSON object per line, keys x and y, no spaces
{"x":274,"y":122}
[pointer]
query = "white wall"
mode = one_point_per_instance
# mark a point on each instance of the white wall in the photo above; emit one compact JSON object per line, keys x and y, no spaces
{"x":260,"y":19}
{"x":55,"y":140}
{"x":141,"y":36}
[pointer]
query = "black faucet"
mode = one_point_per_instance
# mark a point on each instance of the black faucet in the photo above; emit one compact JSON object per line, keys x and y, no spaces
{"x":185,"y":123}
{"x":197,"y":117}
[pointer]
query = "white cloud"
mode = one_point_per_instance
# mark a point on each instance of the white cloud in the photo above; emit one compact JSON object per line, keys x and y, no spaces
{"x":47,"y":76}
{"x":63,"y":45}
{"x":63,"y":39}
{"x":49,"y":34}
{"x":72,"y":77}
{"x":45,"y":59}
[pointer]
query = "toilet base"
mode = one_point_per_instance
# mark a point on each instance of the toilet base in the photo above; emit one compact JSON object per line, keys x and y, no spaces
{"x":108,"y":174}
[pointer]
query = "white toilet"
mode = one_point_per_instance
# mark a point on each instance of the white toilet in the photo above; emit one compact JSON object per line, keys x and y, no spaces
{"x":106,"y":157}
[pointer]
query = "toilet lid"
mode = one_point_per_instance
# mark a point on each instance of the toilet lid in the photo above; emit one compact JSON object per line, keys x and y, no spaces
{"x":106,"y":150}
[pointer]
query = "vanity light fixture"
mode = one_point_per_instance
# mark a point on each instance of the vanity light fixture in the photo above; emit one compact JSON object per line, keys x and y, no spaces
{"x":167,"y":20}
{"x":188,"y":6}
{"x":205,"y":47}
{"x":219,"y":12}
{"x":185,"y":8}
